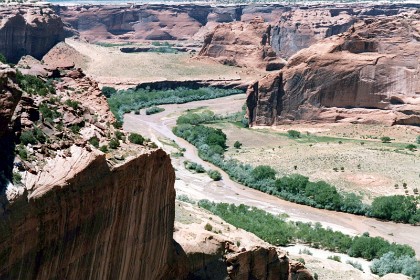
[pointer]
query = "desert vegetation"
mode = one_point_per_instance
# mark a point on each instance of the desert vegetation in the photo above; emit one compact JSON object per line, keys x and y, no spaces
{"x":277,"y":231}
{"x":125,"y":101}
{"x":211,"y":145}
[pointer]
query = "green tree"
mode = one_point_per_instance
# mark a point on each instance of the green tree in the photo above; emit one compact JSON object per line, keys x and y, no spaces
{"x":136,"y":138}
{"x":237,"y":145}
{"x":293,"y":133}
{"x":385,"y":139}
{"x":215,"y":175}
{"x":262,"y":172}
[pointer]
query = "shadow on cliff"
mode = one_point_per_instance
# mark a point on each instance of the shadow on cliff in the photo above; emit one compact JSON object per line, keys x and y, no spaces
{"x":7,"y":147}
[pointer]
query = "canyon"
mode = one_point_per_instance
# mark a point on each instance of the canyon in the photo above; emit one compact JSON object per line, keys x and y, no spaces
{"x":83,"y":197}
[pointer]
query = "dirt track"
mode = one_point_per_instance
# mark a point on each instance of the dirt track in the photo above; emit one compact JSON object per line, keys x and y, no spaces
{"x":199,"y":186}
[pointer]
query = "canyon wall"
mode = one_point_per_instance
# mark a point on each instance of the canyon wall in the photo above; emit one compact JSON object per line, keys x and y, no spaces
{"x":29,"y":30}
{"x":71,"y":211}
{"x":293,"y":27}
{"x":366,"y":75}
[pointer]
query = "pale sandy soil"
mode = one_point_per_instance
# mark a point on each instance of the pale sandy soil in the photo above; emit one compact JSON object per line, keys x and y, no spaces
{"x":109,"y":66}
{"x":371,"y":169}
{"x":200,"y":186}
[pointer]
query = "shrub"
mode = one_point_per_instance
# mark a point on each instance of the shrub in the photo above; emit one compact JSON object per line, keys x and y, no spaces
{"x":411,"y":147}
{"x":334,"y":258}
{"x":215,"y":175}
{"x":23,"y":153}
{"x":136,"y":138}
{"x":262,"y":172}
{"x":418,"y":139}
{"x":154,"y":110}
{"x":28,"y":137}
{"x":108,"y":91}
{"x":104,"y":149}
{"x":3,"y":58}
{"x":48,"y":113}
{"x":33,"y":84}
{"x":305,"y":251}
{"x":119,"y":134}
{"x":293,"y":133}
{"x":72,"y":103}
{"x":355,"y":264}
{"x":17,"y":178}
{"x":385,"y":139}
{"x":208,"y":227}
{"x":114,"y":143}
{"x":396,"y":208}
{"x":185,"y":198}
{"x":237,"y":145}
{"x":391,"y":263}
{"x":75,"y":129}
{"x":194,"y":166}
{"x":94,"y":141}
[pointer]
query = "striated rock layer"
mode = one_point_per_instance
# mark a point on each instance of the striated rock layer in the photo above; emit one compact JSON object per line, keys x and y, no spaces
{"x":367,"y":75}
{"x":71,"y":211}
{"x":29,"y":30}
{"x":86,"y":220}
{"x":242,"y":44}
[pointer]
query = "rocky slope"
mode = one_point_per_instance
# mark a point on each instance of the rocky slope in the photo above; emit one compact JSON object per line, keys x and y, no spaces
{"x":72,"y":211}
{"x":29,"y":30}
{"x":242,"y":44}
{"x":366,"y":75}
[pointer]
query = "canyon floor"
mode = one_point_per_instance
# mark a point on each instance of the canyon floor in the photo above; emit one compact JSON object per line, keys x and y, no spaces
{"x":200,"y":186}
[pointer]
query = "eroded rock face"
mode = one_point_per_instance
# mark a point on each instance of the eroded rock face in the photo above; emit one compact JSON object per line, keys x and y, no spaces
{"x":29,"y":30}
{"x":82,"y":219}
{"x":75,"y":212}
{"x":242,"y":44}
{"x":367,"y":75}
{"x":258,"y":263}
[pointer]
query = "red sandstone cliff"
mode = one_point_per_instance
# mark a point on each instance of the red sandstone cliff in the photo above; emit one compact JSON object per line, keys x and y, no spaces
{"x":29,"y":30}
{"x":366,"y":75}
{"x":242,"y":44}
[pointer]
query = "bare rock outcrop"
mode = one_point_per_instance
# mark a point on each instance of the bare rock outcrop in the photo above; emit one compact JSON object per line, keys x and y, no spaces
{"x":29,"y":30}
{"x":366,"y":75}
{"x":242,"y":44}
{"x":71,"y":211}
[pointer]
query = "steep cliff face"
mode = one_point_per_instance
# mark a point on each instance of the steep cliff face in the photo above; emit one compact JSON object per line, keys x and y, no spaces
{"x":72,"y":211}
{"x":301,"y":27}
{"x":29,"y":30}
{"x":242,"y":44}
{"x":367,"y":75}
{"x":83,"y":219}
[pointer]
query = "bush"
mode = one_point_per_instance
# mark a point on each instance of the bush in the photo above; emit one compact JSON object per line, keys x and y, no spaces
{"x":34,"y":85}
{"x":385,"y":139}
{"x":119,"y":135}
{"x":17,"y":178}
{"x":334,"y":258}
{"x":262,"y":172}
{"x":194,"y":166}
{"x":133,"y":100}
{"x":391,"y":263}
{"x":396,"y":208}
{"x":355,"y":264}
{"x":23,"y":153}
{"x":3,"y":58}
{"x":75,"y":129}
{"x":215,"y":175}
{"x":136,"y":138}
{"x":208,"y":227}
{"x":293,"y":133}
{"x":154,"y":110}
{"x":237,"y":145}
{"x":72,"y":103}
{"x":27,"y":137}
{"x":94,"y":141}
{"x":114,"y":143}
{"x":418,"y":139}
{"x":108,"y":91}
{"x":104,"y":149}
{"x":411,"y":147}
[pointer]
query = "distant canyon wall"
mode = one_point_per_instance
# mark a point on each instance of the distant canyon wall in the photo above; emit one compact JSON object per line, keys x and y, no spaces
{"x":366,"y":75}
{"x":293,"y":27}
{"x":29,"y":30}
